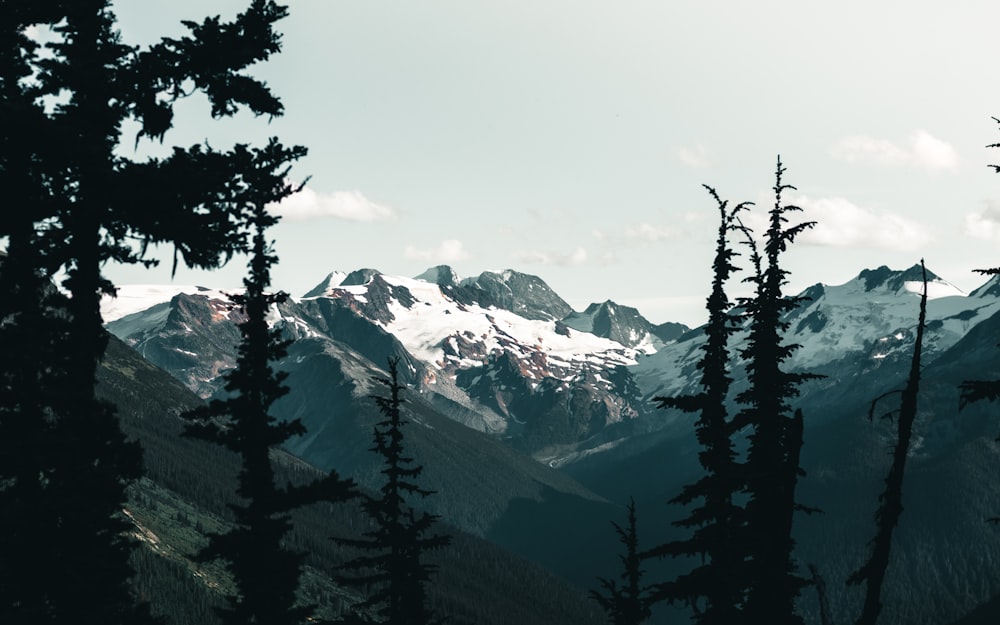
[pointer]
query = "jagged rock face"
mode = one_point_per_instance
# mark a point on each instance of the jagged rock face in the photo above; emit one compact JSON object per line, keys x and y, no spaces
{"x":337,"y":321}
{"x":520,"y":293}
{"x":193,"y":336}
{"x":359,"y":277}
{"x":624,"y":325}
{"x":891,"y":280}
{"x":553,"y":410}
{"x":442,"y":275}
{"x":670,"y":331}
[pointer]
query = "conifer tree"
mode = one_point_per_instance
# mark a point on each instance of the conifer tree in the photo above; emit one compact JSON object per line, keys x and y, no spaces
{"x":716,"y":588}
{"x":266,"y":573}
{"x":872,"y":573}
{"x":77,"y":210}
{"x":629,"y":604}
{"x":772,"y":464}
{"x":396,"y":547}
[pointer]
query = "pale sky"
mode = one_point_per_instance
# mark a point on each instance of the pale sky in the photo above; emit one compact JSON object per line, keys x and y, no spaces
{"x":569,"y":138}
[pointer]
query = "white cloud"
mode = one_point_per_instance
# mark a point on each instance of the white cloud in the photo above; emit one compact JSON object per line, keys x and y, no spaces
{"x":841,"y":223}
{"x":449,"y":251}
{"x":920,"y":150}
{"x":538,"y":257}
{"x":985,"y":224}
{"x":349,"y":205}
{"x":931,"y":152}
{"x":649,"y":233}
{"x":696,"y":156}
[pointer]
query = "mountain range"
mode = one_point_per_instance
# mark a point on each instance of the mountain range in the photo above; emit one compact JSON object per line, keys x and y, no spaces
{"x":534,"y":421}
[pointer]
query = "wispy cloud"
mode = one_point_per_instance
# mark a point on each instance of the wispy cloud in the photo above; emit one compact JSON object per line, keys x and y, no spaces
{"x":648,"y":233}
{"x":984,"y":224}
{"x":841,"y":223}
{"x":921,"y":149}
{"x":538,"y":257}
{"x":448,"y":251}
{"x":349,"y":205}
{"x":693,"y":156}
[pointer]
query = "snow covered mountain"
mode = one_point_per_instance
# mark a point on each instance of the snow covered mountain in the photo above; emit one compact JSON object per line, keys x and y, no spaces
{"x":499,"y":352}
{"x":852,"y":329}
{"x":492,"y":351}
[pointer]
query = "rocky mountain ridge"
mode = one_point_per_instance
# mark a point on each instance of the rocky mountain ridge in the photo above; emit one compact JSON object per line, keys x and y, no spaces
{"x":495,"y":347}
{"x":494,"y":353}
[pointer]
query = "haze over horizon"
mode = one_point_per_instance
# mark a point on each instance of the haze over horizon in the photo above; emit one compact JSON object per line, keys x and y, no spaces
{"x":571,"y":140}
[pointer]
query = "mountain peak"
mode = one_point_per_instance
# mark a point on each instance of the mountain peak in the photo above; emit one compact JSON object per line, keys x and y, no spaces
{"x":360,"y":277}
{"x":620,"y":323}
{"x":332,"y":279}
{"x":442,"y":275}
{"x":908,"y":280}
{"x":892,"y":279}
{"x":521,"y":293}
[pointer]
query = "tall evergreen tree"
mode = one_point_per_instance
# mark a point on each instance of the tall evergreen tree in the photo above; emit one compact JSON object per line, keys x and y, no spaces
{"x":716,"y":588}
{"x":891,"y":500}
{"x":630,"y":603}
{"x":772,"y":464}
{"x":397,"y":545}
{"x":77,"y":210}
{"x":265,"y":572}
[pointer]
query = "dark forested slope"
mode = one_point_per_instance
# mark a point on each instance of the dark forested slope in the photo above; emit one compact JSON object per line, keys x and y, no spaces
{"x":188,"y":483}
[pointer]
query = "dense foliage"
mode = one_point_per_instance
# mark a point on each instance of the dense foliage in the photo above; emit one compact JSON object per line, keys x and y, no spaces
{"x":266,"y":573}
{"x":64,"y":105}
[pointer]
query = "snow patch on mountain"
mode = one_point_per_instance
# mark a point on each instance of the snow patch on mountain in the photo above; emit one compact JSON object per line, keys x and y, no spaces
{"x":433,"y":328}
{"x":134,"y":298}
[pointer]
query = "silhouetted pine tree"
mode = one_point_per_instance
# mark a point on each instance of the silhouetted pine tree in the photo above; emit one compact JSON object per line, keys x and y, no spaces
{"x":772,"y":465}
{"x":79,"y":208}
{"x":891,"y":500}
{"x":630,"y":603}
{"x":397,"y":545}
{"x":716,"y":588}
{"x":266,"y":574}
